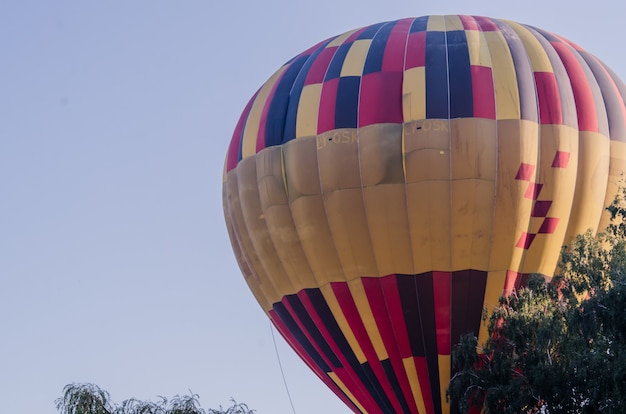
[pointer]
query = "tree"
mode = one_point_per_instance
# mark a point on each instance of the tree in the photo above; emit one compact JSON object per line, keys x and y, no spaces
{"x":557,"y":347}
{"x":91,"y":399}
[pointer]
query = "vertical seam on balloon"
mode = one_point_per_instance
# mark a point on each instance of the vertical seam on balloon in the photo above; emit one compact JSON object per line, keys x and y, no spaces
{"x":414,"y":279}
{"x":557,"y":64}
{"x":284,"y":173}
{"x":537,"y":171}
{"x":571,"y":71}
{"x":319,"y":175}
{"x":419,"y":312}
{"x":409,"y":398}
{"x":614,"y":86}
{"x":293,"y":222}
{"x":322,"y":187}
{"x":293,"y":279}
{"x":615,"y":90}
{"x":264,"y":226}
{"x":434,"y":387}
{"x":608,"y":129}
{"x":358,"y":148}
{"x":441,"y":394}
{"x":406,"y":201}
{"x":497,"y":160}
{"x":254,"y":250}
{"x":358,"y":142}
{"x":304,"y":250}
{"x":407,"y":206}
{"x":449,"y":137}
{"x":402,"y":155}
{"x":454,"y":272}
{"x":232,"y":228}
{"x":325,"y":206}
{"x":501,"y":24}
{"x":237,"y":232}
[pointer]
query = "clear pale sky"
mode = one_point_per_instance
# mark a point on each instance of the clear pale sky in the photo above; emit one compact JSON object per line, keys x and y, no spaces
{"x":115,"y":116}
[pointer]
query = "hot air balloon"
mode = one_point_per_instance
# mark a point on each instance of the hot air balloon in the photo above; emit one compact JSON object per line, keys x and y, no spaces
{"x":386,"y":185}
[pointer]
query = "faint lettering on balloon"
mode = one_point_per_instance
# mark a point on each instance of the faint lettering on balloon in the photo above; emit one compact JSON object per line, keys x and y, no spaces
{"x":337,"y":137}
{"x":432,"y":125}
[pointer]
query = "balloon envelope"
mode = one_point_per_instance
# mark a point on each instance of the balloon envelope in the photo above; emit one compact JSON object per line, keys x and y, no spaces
{"x":388,"y":184}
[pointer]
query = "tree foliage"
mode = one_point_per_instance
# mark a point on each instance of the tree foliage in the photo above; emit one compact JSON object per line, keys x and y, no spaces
{"x":91,"y":399}
{"x":556,"y":347}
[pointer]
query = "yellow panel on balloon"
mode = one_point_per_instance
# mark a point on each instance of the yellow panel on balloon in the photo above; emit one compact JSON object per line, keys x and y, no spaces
{"x":518,"y":151}
{"x":277,"y":216}
{"x":389,"y":228}
{"x":348,"y":225}
{"x":504,"y":76}
{"x":308,"y":110}
{"x":536,"y":54}
{"x":616,"y":179}
{"x":300,"y":160}
{"x":257,"y":229}
{"x":552,"y":200}
{"x":414,"y":94}
{"x":591,"y":178}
